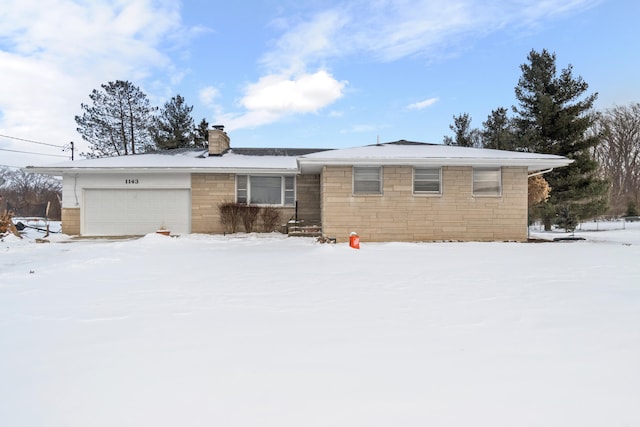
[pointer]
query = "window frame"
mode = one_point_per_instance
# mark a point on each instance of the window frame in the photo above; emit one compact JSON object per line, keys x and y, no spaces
{"x":289,"y":192}
{"x":476,"y":192}
{"x":288,"y":189}
{"x":367,"y":192}
{"x":242,"y":190}
{"x":428,"y":192}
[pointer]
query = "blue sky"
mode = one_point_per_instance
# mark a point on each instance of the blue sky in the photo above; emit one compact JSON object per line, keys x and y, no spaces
{"x":300,"y":73}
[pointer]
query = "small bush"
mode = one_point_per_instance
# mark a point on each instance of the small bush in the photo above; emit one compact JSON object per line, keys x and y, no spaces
{"x":631,"y":208}
{"x":270,"y":217}
{"x":539,"y":190}
{"x":6,"y":224}
{"x":249,"y":216}
{"x":230,"y":215}
{"x":5,"y":219}
{"x":567,"y":219}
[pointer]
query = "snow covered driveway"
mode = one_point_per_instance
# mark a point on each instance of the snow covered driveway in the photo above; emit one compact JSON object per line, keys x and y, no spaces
{"x":273,"y":331}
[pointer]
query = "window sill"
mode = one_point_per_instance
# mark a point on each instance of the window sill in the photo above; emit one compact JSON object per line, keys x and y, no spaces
{"x":427,"y":194}
{"x":265,"y":205}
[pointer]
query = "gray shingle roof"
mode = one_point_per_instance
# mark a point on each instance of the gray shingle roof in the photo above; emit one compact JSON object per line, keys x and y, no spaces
{"x":254,"y":151}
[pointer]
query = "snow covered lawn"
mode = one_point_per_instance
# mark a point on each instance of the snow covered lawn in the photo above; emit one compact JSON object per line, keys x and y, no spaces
{"x":272,"y":331}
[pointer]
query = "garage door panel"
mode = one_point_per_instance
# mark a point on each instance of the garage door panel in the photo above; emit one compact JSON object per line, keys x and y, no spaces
{"x":135,"y":212}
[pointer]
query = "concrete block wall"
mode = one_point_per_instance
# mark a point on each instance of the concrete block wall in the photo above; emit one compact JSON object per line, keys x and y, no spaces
{"x":71,"y":221}
{"x":207,"y":192}
{"x":399,"y":215}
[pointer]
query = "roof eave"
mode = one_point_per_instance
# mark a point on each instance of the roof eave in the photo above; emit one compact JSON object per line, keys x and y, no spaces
{"x":531,"y":164}
{"x":176,"y":170}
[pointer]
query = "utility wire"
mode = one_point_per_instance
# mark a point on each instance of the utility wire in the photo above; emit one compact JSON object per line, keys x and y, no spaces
{"x":33,"y":142}
{"x":37,"y":154}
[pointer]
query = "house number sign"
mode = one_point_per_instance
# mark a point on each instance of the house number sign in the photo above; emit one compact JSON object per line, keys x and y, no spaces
{"x":131,"y":181}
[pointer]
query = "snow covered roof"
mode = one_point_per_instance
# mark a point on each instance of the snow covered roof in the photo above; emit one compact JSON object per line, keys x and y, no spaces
{"x":292,"y":160}
{"x":421,"y":154}
{"x":263,"y":160}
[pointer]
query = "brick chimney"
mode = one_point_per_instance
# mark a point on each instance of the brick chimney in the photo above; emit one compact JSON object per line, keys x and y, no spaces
{"x":219,"y":142}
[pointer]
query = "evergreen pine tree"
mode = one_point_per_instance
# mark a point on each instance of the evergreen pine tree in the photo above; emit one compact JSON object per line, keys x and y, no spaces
{"x":117,"y":121}
{"x":201,"y":134}
{"x":465,"y":136}
{"x":174,"y":126}
{"x":497,"y":131}
{"x":553,"y":117}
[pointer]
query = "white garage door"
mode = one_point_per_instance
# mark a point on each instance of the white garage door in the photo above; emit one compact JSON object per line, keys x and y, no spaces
{"x":135,"y":212}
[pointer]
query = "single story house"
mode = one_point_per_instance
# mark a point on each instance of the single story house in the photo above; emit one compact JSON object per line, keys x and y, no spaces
{"x":397,"y":191}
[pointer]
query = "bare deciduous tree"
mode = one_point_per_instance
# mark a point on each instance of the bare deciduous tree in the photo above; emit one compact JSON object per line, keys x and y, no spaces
{"x":28,"y":194}
{"x":619,"y":154}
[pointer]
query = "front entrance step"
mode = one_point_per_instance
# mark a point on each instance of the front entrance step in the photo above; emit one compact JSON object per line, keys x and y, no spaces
{"x":298,"y":229}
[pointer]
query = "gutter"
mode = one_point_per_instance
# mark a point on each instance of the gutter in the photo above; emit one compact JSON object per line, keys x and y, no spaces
{"x":176,"y":170}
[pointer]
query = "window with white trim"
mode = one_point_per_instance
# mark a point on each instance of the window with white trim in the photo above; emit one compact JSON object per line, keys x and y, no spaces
{"x":427,"y":180}
{"x":487,"y":181}
{"x":367,"y":180}
{"x":266,"y":190}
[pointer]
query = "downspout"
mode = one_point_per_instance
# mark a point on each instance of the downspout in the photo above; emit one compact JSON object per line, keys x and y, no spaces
{"x":539,"y":173}
{"x":75,"y":188}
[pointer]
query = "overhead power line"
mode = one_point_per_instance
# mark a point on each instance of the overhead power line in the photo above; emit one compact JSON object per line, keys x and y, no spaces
{"x":37,"y":154}
{"x":32,"y":141}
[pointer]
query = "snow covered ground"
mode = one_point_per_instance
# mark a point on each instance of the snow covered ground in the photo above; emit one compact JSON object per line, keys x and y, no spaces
{"x":253,"y":330}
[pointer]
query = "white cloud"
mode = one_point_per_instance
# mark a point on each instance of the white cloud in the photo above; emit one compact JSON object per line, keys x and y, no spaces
{"x":307,"y":41}
{"x":280,"y":94}
{"x":422,"y":104}
{"x":207,"y":95}
{"x":277,"y":96}
{"x":54,"y":52}
{"x":388,"y":30}
{"x":288,"y":87}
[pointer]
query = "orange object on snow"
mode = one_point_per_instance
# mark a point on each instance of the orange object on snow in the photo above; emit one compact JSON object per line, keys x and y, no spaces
{"x":354,"y":240}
